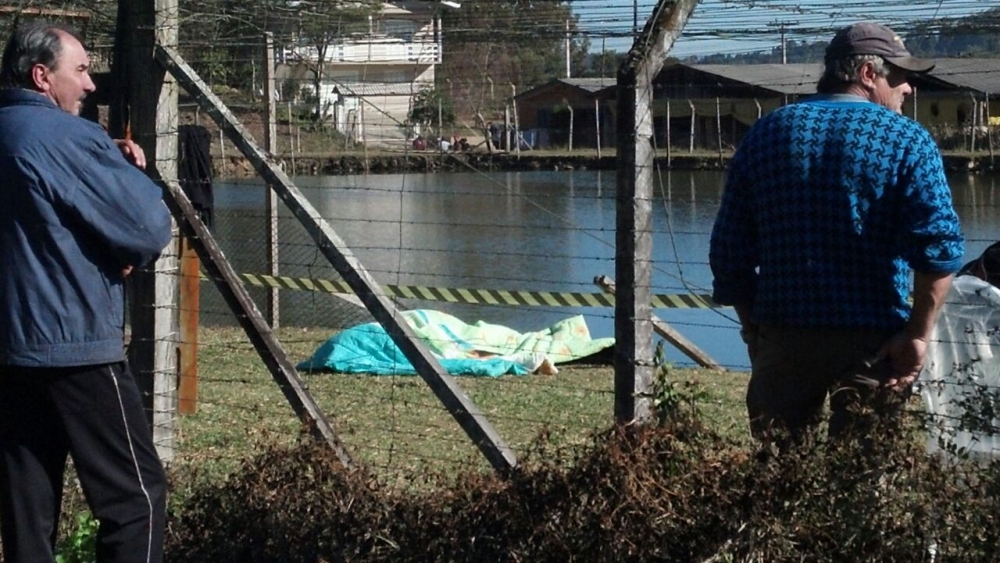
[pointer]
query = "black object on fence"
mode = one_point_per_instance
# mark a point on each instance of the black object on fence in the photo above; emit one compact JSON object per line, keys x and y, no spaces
{"x":194,"y":169}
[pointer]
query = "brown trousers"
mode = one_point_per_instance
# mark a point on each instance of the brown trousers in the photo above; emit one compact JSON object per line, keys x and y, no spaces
{"x":794,"y":369}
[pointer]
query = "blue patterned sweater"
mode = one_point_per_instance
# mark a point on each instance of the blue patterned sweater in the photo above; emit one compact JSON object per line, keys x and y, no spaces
{"x":828,"y":205}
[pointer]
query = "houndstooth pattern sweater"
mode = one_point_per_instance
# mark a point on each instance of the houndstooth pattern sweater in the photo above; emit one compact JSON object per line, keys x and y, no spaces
{"x":828,"y":205}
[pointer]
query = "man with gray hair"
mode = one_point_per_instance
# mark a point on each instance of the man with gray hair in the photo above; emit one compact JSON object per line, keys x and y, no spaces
{"x":76,"y":215}
{"x":829,"y":205}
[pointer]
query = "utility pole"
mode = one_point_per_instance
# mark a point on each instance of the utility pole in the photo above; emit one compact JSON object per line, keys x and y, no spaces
{"x":782,"y":28}
{"x":568,"y":71}
{"x":635,"y":19}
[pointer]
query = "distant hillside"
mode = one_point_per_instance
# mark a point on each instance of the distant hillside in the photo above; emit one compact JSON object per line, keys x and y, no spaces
{"x":972,"y":36}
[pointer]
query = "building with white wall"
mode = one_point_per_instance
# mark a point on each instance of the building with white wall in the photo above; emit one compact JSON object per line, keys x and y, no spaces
{"x":370,"y":78}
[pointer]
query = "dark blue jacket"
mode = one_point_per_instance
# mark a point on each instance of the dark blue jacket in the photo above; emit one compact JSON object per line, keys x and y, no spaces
{"x":73,"y":214}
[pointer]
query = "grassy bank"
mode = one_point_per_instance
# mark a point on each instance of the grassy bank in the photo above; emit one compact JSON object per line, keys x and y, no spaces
{"x":395,"y":425}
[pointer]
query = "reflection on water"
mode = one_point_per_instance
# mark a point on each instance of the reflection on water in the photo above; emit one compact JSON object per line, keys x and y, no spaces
{"x":546,"y":231}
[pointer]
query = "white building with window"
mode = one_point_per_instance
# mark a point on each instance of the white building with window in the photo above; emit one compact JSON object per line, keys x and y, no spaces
{"x":370,"y":78}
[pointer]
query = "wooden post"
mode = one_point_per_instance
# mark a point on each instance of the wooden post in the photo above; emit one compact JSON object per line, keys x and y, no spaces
{"x":597,"y":123}
{"x":440,"y":122}
{"x":718,"y":126}
{"x":669,"y":150}
{"x":188,"y":316}
{"x":361,"y":127}
{"x":972,"y":130}
{"x":333,"y":248}
{"x":989,"y":130}
{"x":517,"y":123}
{"x":691,"y":136}
{"x":571,"y":120}
{"x":633,"y":257}
{"x":297,"y":145}
{"x":506,"y":127}
{"x":222,"y":152}
{"x":151,"y":105}
{"x":273,"y":305}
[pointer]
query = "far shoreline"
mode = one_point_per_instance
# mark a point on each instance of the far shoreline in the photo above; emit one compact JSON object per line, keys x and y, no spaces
{"x":384,"y":162}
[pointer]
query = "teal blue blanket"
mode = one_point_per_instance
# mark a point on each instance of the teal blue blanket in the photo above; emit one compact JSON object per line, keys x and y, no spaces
{"x":463,"y":349}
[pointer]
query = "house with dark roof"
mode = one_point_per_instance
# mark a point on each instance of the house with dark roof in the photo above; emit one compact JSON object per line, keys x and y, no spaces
{"x":711,"y":106}
{"x":705,"y":106}
{"x":579,"y":105}
{"x":956,"y":99}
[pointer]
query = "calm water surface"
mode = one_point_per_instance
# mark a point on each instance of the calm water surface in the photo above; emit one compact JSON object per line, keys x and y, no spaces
{"x":546,"y":231}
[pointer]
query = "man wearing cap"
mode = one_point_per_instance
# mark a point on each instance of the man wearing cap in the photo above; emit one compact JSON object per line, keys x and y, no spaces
{"x":829,"y":205}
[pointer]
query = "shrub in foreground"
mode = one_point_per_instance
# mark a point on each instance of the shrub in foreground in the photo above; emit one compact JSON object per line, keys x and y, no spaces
{"x":665,"y":493}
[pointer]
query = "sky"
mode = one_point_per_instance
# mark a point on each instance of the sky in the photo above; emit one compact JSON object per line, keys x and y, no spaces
{"x":734,"y":26}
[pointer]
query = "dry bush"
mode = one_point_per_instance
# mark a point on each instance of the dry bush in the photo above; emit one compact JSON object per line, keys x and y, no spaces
{"x":663,"y":493}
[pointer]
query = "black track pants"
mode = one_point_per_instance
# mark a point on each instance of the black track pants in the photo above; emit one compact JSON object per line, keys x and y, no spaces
{"x":94,"y":414}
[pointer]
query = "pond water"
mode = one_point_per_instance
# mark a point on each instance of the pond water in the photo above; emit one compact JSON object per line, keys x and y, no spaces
{"x":543,"y":231}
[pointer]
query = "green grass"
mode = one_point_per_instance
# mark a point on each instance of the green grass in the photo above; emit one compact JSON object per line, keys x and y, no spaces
{"x":395,"y":425}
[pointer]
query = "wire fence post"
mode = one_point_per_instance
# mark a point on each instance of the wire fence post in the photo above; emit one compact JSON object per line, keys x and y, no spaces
{"x":153,"y":121}
{"x":633,"y":259}
{"x":271,"y":146}
{"x":718,"y":129}
{"x":569,"y":106}
{"x":667,"y":141}
{"x":597,"y":125}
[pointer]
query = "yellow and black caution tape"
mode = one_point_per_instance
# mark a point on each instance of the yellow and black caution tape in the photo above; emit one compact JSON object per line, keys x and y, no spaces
{"x":481,"y":296}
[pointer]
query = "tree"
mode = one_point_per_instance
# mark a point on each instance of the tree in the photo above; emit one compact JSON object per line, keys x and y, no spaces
{"x":311,"y":27}
{"x":603,"y":64}
{"x":492,"y":47}
{"x":971,"y":36}
{"x":431,"y":109}
{"x":225,"y":37}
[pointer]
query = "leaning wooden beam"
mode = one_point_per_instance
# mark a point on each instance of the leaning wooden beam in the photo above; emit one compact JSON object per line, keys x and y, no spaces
{"x":465,"y":412}
{"x":264,"y":341}
{"x":634,"y":242}
{"x":667,"y":332}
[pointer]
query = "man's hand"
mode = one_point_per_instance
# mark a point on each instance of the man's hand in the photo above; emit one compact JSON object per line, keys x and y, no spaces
{"x":906,"y":350}
{"x":126,"y":271}
{"x":905,"y":355}
{"x":132,"y":152}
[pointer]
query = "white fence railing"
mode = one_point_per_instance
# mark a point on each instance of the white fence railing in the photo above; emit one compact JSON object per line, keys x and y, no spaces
{"x":374,"y":51}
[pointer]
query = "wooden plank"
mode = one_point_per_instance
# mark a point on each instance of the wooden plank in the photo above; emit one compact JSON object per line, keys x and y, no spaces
{"x":261,"y":336}
{"x":633,"y":235}
{"x":462,"y":409}
{"x":668,"y":332}
{"x":188,"y":315}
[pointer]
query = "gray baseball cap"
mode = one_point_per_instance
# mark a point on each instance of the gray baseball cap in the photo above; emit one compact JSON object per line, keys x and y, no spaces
{"x":874,"y":39}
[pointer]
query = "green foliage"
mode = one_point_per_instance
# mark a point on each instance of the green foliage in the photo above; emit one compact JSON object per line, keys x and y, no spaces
{"x":672,"y":402}
{"x":490,"y":45}
{"x":80,"y":545}
{"x":603,"y":64}
{"x":970,"y":36}
{"x":428,"y":107}
{"x":225,"y":39}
